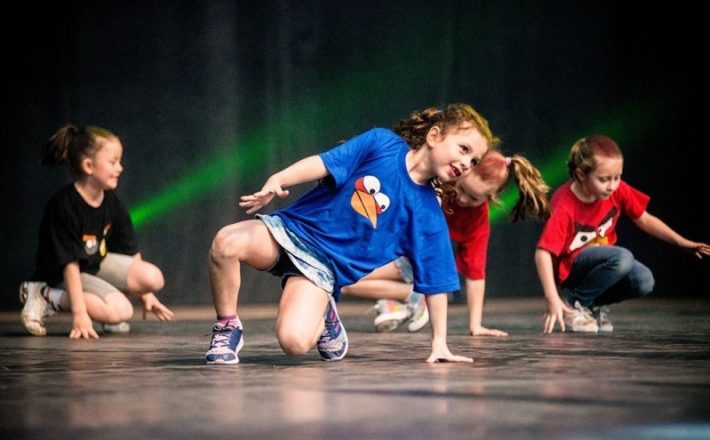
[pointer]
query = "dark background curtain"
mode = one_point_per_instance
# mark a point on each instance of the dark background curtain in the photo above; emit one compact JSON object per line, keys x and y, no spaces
{"x":210,"y":98}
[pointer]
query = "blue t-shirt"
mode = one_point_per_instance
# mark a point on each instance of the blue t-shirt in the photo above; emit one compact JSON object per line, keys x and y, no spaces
{"x":369,"y":211}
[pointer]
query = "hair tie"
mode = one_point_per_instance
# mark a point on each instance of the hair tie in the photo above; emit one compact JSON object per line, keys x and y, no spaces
{"x":507,"y":161}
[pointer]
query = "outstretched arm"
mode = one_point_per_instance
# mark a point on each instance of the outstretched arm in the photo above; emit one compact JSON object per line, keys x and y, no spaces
{"x":475,"y":291}
{"x":555,"y":306}
{"x":305,"y":170}
{"x":655,"y":227}
{"x":437,"y":305}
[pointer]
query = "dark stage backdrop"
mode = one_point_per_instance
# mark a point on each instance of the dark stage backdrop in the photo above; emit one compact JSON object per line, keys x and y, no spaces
{"x":210,"y":98}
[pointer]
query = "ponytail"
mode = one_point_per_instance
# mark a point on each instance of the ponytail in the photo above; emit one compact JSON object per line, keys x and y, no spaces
{"x":532,"y":200}
{"x":71,"y":145}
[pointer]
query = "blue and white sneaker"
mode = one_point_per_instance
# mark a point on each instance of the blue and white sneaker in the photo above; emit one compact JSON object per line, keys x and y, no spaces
{"x":333,"y":342}
{"x":226,"y":342}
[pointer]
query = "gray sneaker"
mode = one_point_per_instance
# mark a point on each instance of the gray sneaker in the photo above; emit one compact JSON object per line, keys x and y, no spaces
{"x":601,"y":314}
{"x":118,"y":329}
{"x":35,"y":308}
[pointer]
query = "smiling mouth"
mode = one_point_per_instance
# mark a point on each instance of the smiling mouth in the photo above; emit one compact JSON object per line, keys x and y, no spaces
{"x":455,"y":171}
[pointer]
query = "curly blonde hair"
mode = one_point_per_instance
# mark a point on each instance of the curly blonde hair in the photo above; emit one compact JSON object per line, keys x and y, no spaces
{"x":414,"y":130}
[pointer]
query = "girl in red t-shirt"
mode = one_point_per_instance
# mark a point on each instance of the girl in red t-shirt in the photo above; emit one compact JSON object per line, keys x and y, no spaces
{"x":466,"y":207}
{"x":577,"y":251}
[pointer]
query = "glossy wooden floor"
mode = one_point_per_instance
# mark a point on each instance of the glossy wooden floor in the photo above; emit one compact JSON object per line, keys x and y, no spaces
{"x":650,"y":379}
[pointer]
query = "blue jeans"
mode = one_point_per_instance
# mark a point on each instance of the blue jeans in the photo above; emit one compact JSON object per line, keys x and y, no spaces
{"x":603,"y":275}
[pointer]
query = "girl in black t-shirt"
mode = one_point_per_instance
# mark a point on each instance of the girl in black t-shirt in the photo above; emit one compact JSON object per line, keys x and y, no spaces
{"x":87,"y":257}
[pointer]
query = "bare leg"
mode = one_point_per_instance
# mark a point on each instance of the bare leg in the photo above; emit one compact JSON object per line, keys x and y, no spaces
{"x":144,"y":277}
{"x":300,"y":319}
{"x":249,"y":242}
{"x":382,"y":283}
{"x":112,"y":308}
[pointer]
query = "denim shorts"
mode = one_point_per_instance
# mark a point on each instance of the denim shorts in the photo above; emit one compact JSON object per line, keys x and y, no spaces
{"x":295,"y":258}
{"x":405,"y":269}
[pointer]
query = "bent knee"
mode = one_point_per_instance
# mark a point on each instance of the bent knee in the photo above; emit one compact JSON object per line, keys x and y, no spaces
{"x":647,"y":285}
{"x":624,"y":260}
{"x":226,"y":245}
{"x":145,"y":277}
{"x":294,"y":345}
{"x":154,"y":279}
{"x":119,"y":313}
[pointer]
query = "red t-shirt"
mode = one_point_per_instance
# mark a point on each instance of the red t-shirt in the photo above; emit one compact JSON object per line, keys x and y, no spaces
{"x":575,"y":224}
{"x":469,"y":228}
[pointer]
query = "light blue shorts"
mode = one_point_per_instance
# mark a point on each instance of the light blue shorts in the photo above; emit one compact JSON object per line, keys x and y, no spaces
{"x":405,"y":269}
{"x":305,"y":261}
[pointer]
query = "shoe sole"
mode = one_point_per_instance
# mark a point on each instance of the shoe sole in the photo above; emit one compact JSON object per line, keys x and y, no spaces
{"x":388,"y":325}
{"x":415,"y":326}
{"x":117,"y":331}
{"x":584,"y":330}
{"x":609,"y":329}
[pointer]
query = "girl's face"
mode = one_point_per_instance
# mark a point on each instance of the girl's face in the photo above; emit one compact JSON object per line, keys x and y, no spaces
{"x":105,"y":167}
{"x":473,"y":191}
{"x":601,"y":182}
{"x":453,"y":153}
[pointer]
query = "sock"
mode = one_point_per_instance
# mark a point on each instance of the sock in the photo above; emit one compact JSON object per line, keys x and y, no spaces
{"x":53,"y":296}
{"x":229,"y":320}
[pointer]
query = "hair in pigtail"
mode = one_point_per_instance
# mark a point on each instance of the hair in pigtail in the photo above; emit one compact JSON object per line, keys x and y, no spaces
{"x":414,"y":130}
{"x":532,"y":191}
{"x":532,"y":200}
{"x":71,"y":145}
{"x":581,"y":156}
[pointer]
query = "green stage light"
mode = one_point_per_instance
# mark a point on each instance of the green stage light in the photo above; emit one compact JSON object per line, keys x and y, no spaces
{"x":204,"y":179}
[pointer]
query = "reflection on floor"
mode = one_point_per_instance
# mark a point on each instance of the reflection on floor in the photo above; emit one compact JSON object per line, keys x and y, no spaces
{"x":649,"y":379}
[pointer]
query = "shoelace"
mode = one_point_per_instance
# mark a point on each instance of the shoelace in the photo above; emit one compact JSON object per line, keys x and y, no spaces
{"x":603,"y":314}
{"x":221,"y":335}
{"x":327,"y":340}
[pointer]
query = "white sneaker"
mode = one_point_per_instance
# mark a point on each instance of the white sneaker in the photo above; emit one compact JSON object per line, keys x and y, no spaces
{"x":602,"y":315}
{"x":418,"y":312}
{"x":35,"y":308}
{"x":120,"y":328}
{"x":390,"y":314}
{"x":581,"y":320}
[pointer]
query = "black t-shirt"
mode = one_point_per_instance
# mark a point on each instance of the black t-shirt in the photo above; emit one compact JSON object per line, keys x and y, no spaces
{"x":72,"y":230}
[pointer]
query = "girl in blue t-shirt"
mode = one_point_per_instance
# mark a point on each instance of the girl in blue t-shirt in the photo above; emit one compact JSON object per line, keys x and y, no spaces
{"x":87,"y":258}
{"x":376,"y":200}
